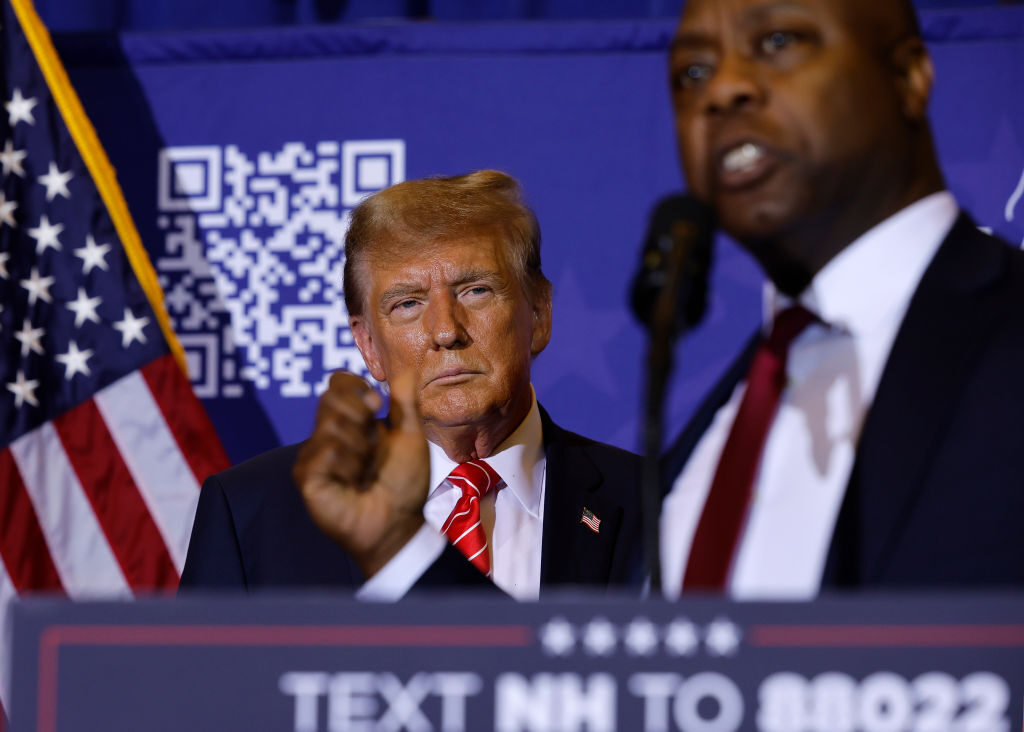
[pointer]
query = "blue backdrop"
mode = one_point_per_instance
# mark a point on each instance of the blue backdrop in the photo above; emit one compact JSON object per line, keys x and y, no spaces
{"x":241,"y":154}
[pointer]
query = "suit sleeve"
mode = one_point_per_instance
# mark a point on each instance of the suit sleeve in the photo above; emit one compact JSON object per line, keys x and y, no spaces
{"x":214,"y":559}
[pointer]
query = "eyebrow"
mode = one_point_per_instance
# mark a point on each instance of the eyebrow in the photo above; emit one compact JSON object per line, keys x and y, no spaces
{"x":691,"y":39}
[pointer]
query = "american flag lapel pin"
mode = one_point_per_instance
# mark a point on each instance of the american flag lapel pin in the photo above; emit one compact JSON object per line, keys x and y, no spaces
{"x":592,"y":521}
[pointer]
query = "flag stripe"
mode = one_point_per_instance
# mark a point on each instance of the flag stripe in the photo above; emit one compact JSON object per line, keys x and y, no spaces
{"x":162,"y":474}
{"x":22,"y":545}
{"x":184,"y":414}
{"x":7,"y":595}
{"x":115,"y":499}
{"x":80,"y":552}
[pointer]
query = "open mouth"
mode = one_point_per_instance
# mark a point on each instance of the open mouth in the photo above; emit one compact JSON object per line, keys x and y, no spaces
{"x":744,"y":164}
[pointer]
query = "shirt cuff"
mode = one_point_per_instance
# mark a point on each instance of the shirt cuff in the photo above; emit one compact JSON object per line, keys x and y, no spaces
{"x":398,"y":576}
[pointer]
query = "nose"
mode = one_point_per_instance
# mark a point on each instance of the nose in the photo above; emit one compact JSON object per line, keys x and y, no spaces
{"x":733,"y":86}
{"x":445,"y":322}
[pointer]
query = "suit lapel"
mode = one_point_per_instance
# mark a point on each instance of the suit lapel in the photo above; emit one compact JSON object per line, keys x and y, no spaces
{"x":572,"y":553}
{"x":950,"y":314}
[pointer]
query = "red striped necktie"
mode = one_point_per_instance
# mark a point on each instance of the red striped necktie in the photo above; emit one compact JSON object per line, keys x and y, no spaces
{"x":463,"y":528}
{"x":725,"y":510}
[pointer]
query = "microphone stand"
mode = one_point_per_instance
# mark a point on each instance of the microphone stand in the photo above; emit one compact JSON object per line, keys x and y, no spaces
{"x":666,"y":326}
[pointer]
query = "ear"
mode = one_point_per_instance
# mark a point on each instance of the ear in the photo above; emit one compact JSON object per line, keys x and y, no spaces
{"x":363,"y":335}
{"x":541,"y":321}
{"x":916,"y":74}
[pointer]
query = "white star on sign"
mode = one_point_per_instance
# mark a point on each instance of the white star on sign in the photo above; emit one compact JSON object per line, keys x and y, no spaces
{"x":641,"y":637}
{"x":29,"y":338}
{"x":56,"y":182}
{"x":19,"y":109}
{"x":131,"y":328}
{"x":722,"y":637}
{"x":558,"y":637}
{"x":11,"y":159}
{"x":75,"y":361}
{"x":92,"y":255}
{"x":681,"y":638}
{"x":24,"y":390}
{"x":38,"y":287}
{"x":46,"y":235}
{"x":7,"y":211}
{"x":4,"y":256}
{"x":84,"y":308}
{"x":599,"y":637}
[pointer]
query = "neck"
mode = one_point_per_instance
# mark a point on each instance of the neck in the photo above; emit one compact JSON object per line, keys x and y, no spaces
{"x":462,"y":443}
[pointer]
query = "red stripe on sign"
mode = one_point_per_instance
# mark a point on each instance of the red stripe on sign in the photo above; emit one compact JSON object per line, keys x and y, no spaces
{"x":185,"y":416}
{"x":22,"y":544}
{"x":859,"y":636}
{"x":115,"y":499}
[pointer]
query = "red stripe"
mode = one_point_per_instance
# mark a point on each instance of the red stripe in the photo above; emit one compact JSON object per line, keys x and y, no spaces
{"x":186,"y":417}
{"x":22,"y":545}
{"x":858,"y":636}
{"x":115,"y":499}
{"x":4,"y":724}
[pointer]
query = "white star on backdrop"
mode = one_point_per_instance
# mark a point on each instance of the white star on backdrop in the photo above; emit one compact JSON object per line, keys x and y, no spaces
{"x":641,"y":637}
{"x":7,"y":209}
{"x":131,"y":328}
{"x":4,"y":256}
{"x":29,"y":338}
{"x":75,"y":361}
{"x":11,"y":159}
{"x":46,"y":235}
{"x":558,"y":637}
{"x":722,"y":637}
{"x":19,"y":109}
{"x":84,"y":308}
{"x":681,"y":638}
{"x":92,"y":254}
{"x":599,"y":637}
{"x":24,"y":390}
{"x":38,"y":287}
{"x":56,"y":182}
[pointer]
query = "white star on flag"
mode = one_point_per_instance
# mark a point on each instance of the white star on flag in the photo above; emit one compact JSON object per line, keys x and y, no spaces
{"x":46,"y":235}
{"x":641,"y":637}
{"x":19,"y":109}
{"x":558,"y":637}
{"x":11,"y":159}
{"x":599,"y":637}
{"x":131,"y":328}
{"x":24,"y":390}
{"x":722,"y":637}
{"x":56,"y":182}
{"x":84,"y":308}
{"x":38,"y":287}
{"x":75,"y":360}
{"x":92,"y":255}
{"x":7,"y":209}
{"x":29,"y":338}
{"x":681,"y":638}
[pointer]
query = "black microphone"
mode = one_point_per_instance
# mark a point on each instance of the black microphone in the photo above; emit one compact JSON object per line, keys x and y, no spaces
{"x":669,"y":296}
{"x":677,"y":253}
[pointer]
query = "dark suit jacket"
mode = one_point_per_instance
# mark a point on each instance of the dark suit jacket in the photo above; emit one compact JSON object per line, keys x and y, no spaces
{"x":936,"y":495}
{"x":252,"y":530}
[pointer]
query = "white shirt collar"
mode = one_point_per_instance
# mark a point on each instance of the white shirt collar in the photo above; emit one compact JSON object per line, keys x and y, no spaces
{"x":515,"y":461}
{"x":872,"y":280}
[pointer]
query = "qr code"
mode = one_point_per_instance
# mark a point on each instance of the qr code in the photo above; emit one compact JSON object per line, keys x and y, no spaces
{"x":253,"y":258}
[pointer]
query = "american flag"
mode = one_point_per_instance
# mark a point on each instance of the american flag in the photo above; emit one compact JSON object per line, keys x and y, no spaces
{"x":103,"y":445}
{"x":591,"y":520}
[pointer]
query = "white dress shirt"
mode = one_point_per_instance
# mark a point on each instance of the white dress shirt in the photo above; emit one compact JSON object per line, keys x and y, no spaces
{"x":833,"y":371}
{"x":518,"y":519}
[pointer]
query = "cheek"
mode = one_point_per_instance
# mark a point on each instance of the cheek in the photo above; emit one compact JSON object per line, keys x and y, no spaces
{"x":692,"y":153}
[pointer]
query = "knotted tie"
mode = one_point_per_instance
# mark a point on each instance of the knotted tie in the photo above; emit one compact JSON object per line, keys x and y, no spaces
{"x":726,"y":507}
{"x":463,"y":527}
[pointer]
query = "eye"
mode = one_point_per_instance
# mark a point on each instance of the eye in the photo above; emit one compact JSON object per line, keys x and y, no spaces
{"x":691,"y":75}
{"x":405,"y":305}
{"x":776,"y":41}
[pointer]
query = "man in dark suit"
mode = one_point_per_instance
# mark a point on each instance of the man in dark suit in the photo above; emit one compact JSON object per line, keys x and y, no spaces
{"x":871,"y":434}
{"x":448,"y":306}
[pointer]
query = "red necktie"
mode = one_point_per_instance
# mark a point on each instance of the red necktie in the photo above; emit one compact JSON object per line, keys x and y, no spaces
{"x":463,"y":527}
{"x":726,"y":507}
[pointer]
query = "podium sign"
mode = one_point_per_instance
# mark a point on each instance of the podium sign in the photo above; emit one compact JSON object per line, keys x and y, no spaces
{"x":311,"y":663}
